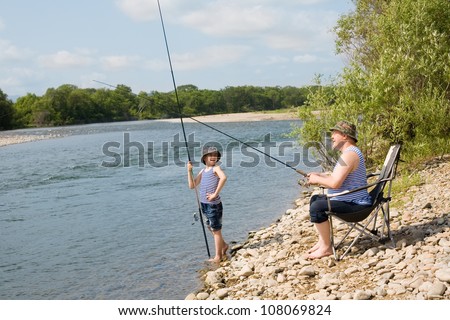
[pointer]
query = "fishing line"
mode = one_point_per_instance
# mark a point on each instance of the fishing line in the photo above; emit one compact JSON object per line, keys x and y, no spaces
{"x":303,"y":173}
{"x":182,"y":126}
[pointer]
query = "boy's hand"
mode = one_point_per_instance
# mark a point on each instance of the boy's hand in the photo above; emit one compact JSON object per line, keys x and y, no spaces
{"x":189,"y":166}
{"x":211,"y":196}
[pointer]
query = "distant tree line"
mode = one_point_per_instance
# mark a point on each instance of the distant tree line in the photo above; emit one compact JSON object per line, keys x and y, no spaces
{"x":70,"y":105}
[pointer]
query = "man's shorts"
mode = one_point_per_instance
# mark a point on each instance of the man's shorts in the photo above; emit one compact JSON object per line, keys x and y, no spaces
{"x":213,"y":213}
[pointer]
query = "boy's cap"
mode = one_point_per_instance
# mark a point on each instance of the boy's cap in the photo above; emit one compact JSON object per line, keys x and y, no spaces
{"x":346,"y":128}
{"x":208,"y":150}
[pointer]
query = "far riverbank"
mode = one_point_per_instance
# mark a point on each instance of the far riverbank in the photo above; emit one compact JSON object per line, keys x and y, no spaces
{"x":13,"y":137}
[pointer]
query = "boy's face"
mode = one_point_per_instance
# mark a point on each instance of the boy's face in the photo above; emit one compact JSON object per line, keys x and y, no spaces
{"x":211,"y":159}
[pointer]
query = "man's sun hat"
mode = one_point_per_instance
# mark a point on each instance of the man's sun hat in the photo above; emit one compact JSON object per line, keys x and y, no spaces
{"x":346,"y":128}
{"x":208,"y":150}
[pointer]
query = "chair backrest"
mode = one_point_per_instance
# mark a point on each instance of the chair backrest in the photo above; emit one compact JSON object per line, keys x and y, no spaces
{"x":387,"y":171}
{"x":390,"y":163}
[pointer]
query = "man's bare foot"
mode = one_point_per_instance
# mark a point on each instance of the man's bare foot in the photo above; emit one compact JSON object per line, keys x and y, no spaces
{"x":320,"y":253}
{"x":316,"y":246}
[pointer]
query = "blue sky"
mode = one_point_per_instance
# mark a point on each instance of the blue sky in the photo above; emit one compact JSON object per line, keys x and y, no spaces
{"x":213,"y":43}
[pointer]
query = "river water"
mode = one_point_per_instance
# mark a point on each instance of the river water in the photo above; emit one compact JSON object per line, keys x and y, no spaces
{"x":104,"y":211}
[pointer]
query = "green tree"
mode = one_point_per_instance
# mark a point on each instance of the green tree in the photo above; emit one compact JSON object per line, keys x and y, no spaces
{"x":213,"y":101}
{"x":293,"y":97}
{"x":274,"y":96}
{"x":6,"y":112}
{"x":55,"y":108}
{"x":187,"y":88}
{"x":25,"y":110}
{"x":80,"y":108}
{"x":103,"y":104}
{"x":397,"y":83}
{"x":124,"y":100}
{"x":242,"y":99}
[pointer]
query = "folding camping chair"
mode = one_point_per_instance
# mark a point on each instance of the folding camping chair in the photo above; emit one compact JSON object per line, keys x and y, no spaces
{"x":360,"y":220}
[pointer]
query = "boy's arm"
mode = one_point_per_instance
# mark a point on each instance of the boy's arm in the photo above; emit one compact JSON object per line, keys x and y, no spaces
{"x":191,"y":181}
{"x":222,"y":179}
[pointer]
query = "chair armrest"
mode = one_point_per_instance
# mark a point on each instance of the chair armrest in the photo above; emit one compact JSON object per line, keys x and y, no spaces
{"x":373,"y":174}
{"x":357,"y":189}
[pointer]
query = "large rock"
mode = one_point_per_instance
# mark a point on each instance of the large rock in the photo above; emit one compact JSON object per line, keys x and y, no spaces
{"x":246,"y":271}
{"x":443,"y":275}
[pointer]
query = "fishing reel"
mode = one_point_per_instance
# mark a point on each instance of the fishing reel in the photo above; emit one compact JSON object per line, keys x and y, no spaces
{"x":194,"y":218}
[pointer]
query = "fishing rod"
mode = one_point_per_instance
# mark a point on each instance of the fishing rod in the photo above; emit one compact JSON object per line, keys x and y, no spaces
{"x":182,"y":126}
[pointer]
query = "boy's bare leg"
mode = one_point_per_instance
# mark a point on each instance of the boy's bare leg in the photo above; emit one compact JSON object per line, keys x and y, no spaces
{"x":219,"y":244}
{"x":225,"y":248}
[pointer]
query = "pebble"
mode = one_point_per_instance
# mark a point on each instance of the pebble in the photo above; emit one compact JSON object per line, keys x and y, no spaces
{"x":8,"y":139}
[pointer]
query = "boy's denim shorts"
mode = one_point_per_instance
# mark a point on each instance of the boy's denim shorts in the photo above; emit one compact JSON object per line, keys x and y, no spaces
{"x":213,"y":213}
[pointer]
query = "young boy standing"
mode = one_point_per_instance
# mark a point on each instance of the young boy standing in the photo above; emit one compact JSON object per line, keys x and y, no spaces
{"x":211,"y":180}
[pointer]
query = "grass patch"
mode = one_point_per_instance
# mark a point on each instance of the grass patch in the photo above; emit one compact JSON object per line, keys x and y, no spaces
{"x":401,"y":184}
{"x":283,"y":110}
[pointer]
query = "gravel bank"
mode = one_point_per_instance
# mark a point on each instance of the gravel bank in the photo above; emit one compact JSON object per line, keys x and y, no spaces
{"x":269,"y":265}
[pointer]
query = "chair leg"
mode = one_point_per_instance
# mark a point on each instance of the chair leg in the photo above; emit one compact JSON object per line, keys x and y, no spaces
{"x":374,"y":228}
{"x":387,"y":224}
{"x":362,"y":229}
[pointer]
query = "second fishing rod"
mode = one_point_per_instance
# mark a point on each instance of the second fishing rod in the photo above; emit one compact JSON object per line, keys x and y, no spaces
{"x":191,"y":174}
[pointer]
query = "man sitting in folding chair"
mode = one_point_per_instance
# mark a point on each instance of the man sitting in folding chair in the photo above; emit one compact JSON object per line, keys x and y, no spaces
{"x":349,"y":173}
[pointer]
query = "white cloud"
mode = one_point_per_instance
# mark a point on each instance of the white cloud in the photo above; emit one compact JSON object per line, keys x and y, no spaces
{"x":156,"y":64}
{"x":305,"y":58}
{"x":9,"y":82}
{"x":9,"y":51}
{"x":88,"y":80}
{"x":303,"y":32}
{"x":288,"y":26}
{"x":209,"y":57}
{"x":275,"y":60}
{"x":139,"y":10}
{"x":145,"y":10}
{"x":297,"y":25}
{"x":23,"y":72}
{"x":213,"y":56}
{"x":286,"y":2}
{"x":119,"y":62}
{"x":65,"y":59}
{"x":228,"y":19}
{"x":17,"y":79}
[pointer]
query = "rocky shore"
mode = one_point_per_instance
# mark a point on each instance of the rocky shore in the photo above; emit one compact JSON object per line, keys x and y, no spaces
{"x":8,"y":139}
{"x":270,"y":264}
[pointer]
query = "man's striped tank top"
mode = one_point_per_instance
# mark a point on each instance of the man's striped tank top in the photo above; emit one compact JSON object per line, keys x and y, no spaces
{"x":354,"y":180}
